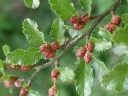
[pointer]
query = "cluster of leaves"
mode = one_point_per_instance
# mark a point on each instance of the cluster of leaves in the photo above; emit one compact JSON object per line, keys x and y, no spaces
{"x":115,"y":79}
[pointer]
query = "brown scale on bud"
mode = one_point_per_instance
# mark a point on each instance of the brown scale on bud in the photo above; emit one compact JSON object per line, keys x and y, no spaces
{"x":50,"y":54}
{"x":110,"y":27}
{"x":44,"y":48}
{"x":52,"y":91}
{"x":23,"y":92}
{"x":55,"y":73}
{"x":13,"y":67}
{"x":87,"y":57}
{"x":84,"y":18}
{"x":75,"y":19}
{"x":10,"y":82}
{"x":115,"y":19}
{"x":55,"y":45}
{"x":25,"y":68}
{"x":89,"y":46}
{"x":81,"y":52}
{"x":79,"y":26}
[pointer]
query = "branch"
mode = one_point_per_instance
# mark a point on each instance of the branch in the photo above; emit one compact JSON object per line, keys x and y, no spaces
{"x":70,"y":44}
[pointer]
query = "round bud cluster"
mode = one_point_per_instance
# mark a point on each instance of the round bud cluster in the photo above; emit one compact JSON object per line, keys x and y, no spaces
{"x":85,"y":52}
{"x":23,"y":92}
{"x":79,"y":22}
{"x":112,"y":25}
{"x":13,"y":67}
{"x":49,"y":50}
{"x":26,"y":68}
{"x":10,"y":82}
{"x":21,"y":67}
{"x":52,"y":91}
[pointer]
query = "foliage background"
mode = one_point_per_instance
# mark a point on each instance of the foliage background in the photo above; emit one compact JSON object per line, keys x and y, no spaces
{"x":13,"y":12}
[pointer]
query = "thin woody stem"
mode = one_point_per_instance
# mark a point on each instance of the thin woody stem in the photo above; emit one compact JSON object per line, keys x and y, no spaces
{"x":70,"y":44}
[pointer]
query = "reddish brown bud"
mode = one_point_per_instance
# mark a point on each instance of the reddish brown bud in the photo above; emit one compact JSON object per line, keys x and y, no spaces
{"x":81,"y":52}
{"x":55,"y":45}
{"x":87,"y":57}
{"x":52,"y":91}
{"x":17,"y":83}
{"x":44,"y":48}
{"x":10,"y":82}
{"x":84,"y":18}
{"x":79,"y":26}
{"x":89,"y":46}
{"x":13,"y":67}
{"x":115,"y":19}
{"x":23,"y":92}
{"x":75,"y":19}
{"x":55,"y":74}
{"x":25,"y":68}
{"x":50,"y":54}
{"x":110,"y":27}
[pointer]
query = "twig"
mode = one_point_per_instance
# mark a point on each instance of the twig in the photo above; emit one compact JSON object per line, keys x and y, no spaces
{"x":70,"y":44}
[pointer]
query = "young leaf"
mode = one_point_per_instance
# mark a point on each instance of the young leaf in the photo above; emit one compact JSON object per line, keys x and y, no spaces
{"x":83,"y":78}
{"x":101,"y":45}
{"x":121,"y":50}
{"x":117,"y":79}
{"x":73,"y":33}
{"x":24,"y":57}
{"x":103,"y":33}
{"x":6,"y":49}
{"x":86,"y":5}
{"x":5,"y":76}
{"x":32,"y":3}
{"x":99,"y":68}
{"x":57,"y":31}
{"x":121,"y":36}
{"x":124,"y":18}
{"x":66,"y":74}
{"x":63,"y":8}
{"x":33,"y":93}
{"x":33,"y":35}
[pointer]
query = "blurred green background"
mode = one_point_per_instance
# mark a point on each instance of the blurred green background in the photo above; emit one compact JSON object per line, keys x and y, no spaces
{"x":13,"y":12}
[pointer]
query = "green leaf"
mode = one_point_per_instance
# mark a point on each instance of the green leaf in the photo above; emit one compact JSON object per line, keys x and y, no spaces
{"x":121,"y":36}
{"x":24,"y":57}
{"x":105,"y":34}
{"x":1,"y":65}
{"x":86,"y":5}
{"x":99,"y":68}
{"x":117,"y":79}
{"x":63,"y":8}
{"x":33,"y":35}
{"x":121,"y":50}
{"x":6,"y":49}
{"x":101,"y":45}
{"x":66,"y":74}
{"x":83,"y":78}
{"x":33,"y":93}
{"x":74,"y":33}
{"x":5,"y":77}
{"x":124,"y":18}
{"x":57,"y":31}
{"x":32,"y":3}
